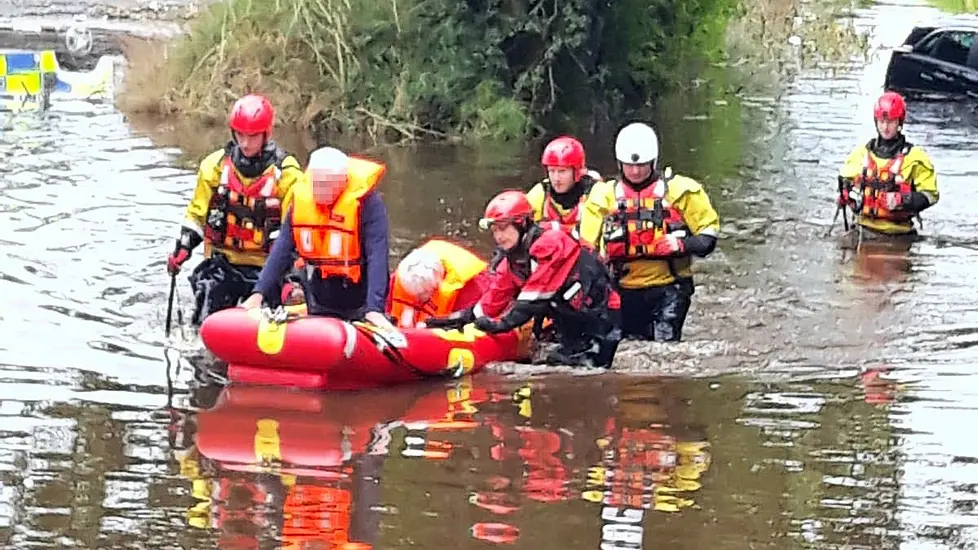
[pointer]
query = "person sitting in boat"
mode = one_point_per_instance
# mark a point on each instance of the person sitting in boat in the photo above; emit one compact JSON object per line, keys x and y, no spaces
{"x":435,"y":280}
{"x":545,"y":272}
{"x":888,"y":180}
{"x":338,"y":226}
{"x":558,"y":198}
{"x":236,"y":209}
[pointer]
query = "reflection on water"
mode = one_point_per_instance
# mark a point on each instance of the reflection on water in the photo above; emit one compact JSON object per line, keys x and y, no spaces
{"x":481,"y":459}
{"x":599,"y":462}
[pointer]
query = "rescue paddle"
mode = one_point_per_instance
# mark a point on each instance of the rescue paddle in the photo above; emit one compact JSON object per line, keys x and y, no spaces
{"x":169,"y":304}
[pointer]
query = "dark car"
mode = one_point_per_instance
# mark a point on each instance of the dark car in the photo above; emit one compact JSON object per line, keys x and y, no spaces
{"x":937,"y":58}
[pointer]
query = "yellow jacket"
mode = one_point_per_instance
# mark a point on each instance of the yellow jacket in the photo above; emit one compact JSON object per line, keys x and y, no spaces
{"x":208,"y":180}
{"x":917,"y":168}
{"x":686,"y":195}
{"x":537,"y":195}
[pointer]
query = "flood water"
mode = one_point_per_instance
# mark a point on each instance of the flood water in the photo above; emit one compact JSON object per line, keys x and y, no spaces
{"x":820,"y":400}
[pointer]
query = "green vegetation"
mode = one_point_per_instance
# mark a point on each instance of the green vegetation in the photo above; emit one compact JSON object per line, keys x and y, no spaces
{"x":956,"y":6}
{"x":405,"y":69}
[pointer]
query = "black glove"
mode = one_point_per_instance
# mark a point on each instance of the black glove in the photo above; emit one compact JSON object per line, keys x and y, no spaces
{"x":189,"y":240}
{"x":490,"y":325}
{"x":916,"y":202}
{"x":498,"y":255}
{"x":455,"y":320}
{"x":700,"y":245}
{"x":520,"y":313}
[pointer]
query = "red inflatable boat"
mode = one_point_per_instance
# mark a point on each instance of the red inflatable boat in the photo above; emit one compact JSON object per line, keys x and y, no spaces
{"x":291,"y":349}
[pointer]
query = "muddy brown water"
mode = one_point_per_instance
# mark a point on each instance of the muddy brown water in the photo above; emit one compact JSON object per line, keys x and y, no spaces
{"x":820,"y":400}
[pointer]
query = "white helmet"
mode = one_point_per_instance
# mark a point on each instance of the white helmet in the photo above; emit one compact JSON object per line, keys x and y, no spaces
{"x":329,"y":160}
{"x":420,"y":273}
{"x":637,"y":144}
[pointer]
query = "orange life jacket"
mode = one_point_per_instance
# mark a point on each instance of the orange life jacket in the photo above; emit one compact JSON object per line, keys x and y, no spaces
{"x":244,"y":218}
{"x":316,"y":514}
{"x":461,"y":266}
{"x":876,"y":180}
{"x":643,"y":218}
{"x":328,"y":237}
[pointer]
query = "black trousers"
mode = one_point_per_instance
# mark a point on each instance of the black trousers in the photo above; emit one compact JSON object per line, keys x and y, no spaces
{"x":585,"y":339}
{"x":218,"y":284}
{"x":656,"y":313}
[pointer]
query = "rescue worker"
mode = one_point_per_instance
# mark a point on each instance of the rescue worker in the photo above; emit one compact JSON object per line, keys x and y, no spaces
{"x":558,"y":198}
{"x":236,"y":210}
{"x":338,"y":226}
{"x":648,"y":225}
{"x":435,"y":280}
{"x":545,"y":272}
{"x":888,"y":181}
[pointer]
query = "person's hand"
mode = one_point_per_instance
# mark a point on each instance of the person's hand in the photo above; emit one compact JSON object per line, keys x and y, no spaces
{"x":895,"y":201}
{"x":489,"y":325}
{"x":379,"y":320}
{"x":188,"y":241}
{"x":252,"y":302}
{"x":456,"y":320}
{"x":854,"y":198}
{"x":843,"y":198}
{"x":176,"y":259}
{"x":447,"y":322}
{"x":292,"y":294}
{"x":669,"y":245}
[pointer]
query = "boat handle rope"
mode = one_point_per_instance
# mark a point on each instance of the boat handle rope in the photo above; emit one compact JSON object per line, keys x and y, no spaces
{"x":390,"y":351}
{"x":280,"y":315}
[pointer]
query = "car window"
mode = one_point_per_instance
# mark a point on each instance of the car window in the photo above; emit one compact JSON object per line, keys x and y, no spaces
{"x":916,"y":34}
{"x":948,"y":46}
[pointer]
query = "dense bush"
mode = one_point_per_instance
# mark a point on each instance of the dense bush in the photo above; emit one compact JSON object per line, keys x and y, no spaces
{"x":415,"y":68}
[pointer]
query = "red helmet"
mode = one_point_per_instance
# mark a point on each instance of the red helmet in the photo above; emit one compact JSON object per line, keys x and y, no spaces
{"x":509,"y":206}
{"x":890,"y":105}
{"x":565,"y":151}
{"x":252,"y":114}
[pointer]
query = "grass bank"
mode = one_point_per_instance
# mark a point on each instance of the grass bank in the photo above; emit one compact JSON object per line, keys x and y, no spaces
{"x":445,"y":69}
{"x":405,"y":69}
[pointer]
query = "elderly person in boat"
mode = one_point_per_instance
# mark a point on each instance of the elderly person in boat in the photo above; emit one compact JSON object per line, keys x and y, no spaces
{"x":436,"y":279}
{"x":338,"y":227}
